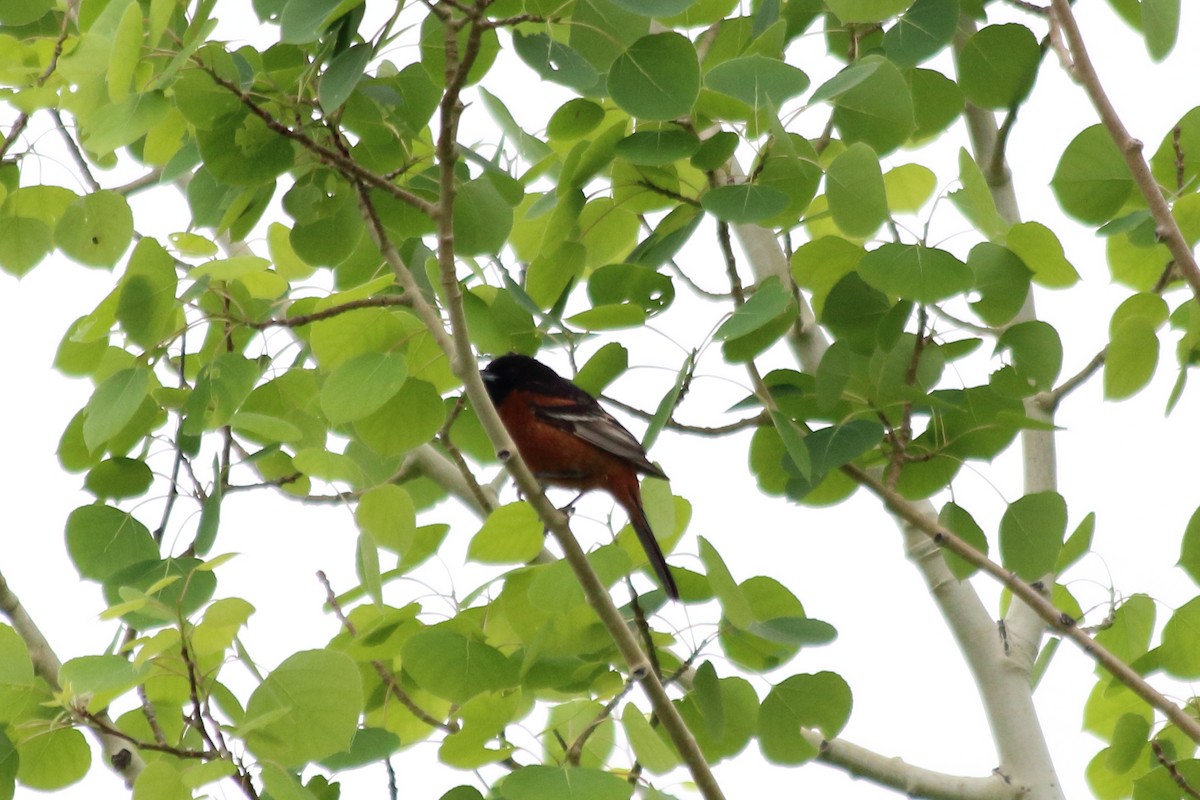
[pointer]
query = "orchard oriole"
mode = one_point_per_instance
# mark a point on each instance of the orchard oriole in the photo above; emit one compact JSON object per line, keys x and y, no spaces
{"x":567,"y":439}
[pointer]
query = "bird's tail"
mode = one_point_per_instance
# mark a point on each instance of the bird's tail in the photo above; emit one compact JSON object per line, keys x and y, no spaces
{"x":641,"y":526}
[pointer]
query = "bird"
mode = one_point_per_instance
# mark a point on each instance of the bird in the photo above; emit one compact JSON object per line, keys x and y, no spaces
{"x":567,"y":439}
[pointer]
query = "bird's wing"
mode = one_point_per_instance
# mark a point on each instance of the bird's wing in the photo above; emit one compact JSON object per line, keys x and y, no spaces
{"x":594,"y":425}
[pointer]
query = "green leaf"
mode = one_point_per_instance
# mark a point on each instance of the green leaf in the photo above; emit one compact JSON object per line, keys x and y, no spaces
{"x":369,"y":745}
{"x":23,"y":12}
{"x":1128,"y":637}
{"x":631,"y":283}
{"x":53,"y":759}
{"x":921,"y":32}
{"x":575,"y":118}
{"x":656,"y":78}
{"x":716,"y":150}
{"x":794,"y":443}
{"x":303,"y":21}
{"x":873,"y":105}
{"x":738,"y":704}
{"x":1078,"y":543}
{"x":1130,"y":358}
{"x":1128,"y":743}
{"x":539,"y":782}
{"x":114,"y":404}
{"x":126,"y":50}
{"x":95,"y":229}
{"x":308,"y":708}
{"x":265,"y":428}
{"x":210,"y":518}
{"x":146,"y":306}
{"x":1179,"y":653}
{"x":317,"y":462}
{"x":963,"y":525}
{"x":1038,"y":247}
{"x":820,"y":701}
{"x":975,"y":199}
{"x":1160,"y":25}
{"x":342,"y":76}
{"x":856,"y":191}
{"x":651,"y":751}
{"x":867,"y":10}
{"x":17,"y":685}
{"x":743,"y":203}
{"x":666,"y":406}
{"x":24,"y":242}
{"x":1001,"y":281}
{"x":98,"y":680}
{"x":119,"y":478}
{"x":511,"y":534}
{"x":840,"y":444}
{"x":654,"y":8}
{"x":1031,"y":534}
{"x":601,"y":30}
{"x":161,"y":780}
{"x":1189,"y":556}
{"x":555,"y":61}
{"x":609,"y":317}
{"x":998,"y":64}
{"x":915,"y":272}
{"x":240,"y":150}
{"x":223,"y":385}
{"x":605,"y":366}
{"x":361,"y":386}
{"x":656,"y":148}
{"x":909,"y":187}
{"x":482,"y":218}
{"x":388,"y":514}
{"x":820,"y":264}
{"x":1037,"y":354}
{"x":937,"y":102}
{"x":734,"y":605}
{"x":1092,"y":181}
{"x":419,"y":404}
{"x":161,"y":590}
{"x":760,"y":82}
{"x":455,"y":667}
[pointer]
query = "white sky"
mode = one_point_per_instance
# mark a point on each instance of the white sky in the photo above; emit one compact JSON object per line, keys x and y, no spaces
{"x":913,"y":696}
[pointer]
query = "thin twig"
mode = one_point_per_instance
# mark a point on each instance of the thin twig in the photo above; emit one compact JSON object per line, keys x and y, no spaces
{"x":1036,"y":600}
{"x":348,"y":167}
{"x":1173,"y":770}
{"x":1131,"y":149}
{"x":465,"y":367}
{"x":22,"y":119}
{"x":105,"y":725}
{"x":1051,"y":399}
{"x":300,"y":320}
{"x":385,"y":673}
{"x":575,"y":751}
{"x":748,"y":423}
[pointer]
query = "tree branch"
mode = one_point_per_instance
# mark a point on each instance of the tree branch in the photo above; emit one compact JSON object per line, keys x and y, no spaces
{"x":123,"y":759}
{"x":1036,"y":600}
{"x":347,"y":166}
{"x":911,"y":780}
{"x":1084,"y":72}
{"x":465,"y":366}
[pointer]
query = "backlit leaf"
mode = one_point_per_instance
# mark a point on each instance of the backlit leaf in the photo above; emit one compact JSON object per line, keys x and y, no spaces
{"x":656,"y":78}
{"x":1031,"y":534}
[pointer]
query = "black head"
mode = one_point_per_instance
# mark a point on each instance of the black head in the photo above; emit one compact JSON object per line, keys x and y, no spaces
{"x":515,"y":371}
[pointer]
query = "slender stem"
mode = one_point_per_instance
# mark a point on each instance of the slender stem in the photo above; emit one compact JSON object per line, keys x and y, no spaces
{"x":464,"y":365}
{"x":1130,"y":148}
{"x":1035,"y":599}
